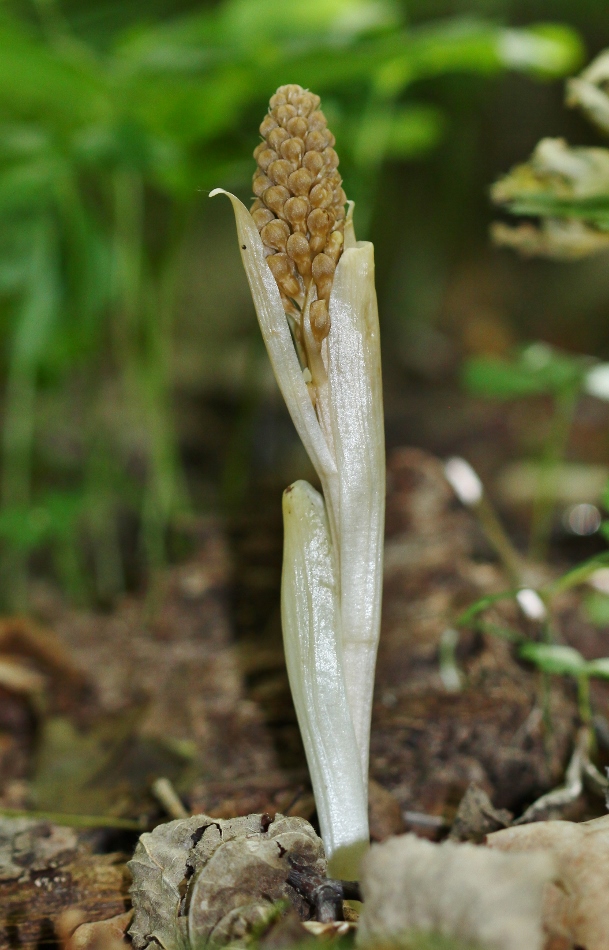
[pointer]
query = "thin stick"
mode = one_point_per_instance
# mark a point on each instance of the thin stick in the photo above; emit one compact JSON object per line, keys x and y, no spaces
{"x":77,"y":821}
{"x":166,"y":795}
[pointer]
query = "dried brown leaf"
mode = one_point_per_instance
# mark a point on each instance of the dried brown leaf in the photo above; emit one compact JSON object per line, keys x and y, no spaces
{"x":201,"y":880}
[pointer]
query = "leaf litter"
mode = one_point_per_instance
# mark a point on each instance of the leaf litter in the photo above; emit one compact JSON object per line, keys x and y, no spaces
{"x":219,"y":723}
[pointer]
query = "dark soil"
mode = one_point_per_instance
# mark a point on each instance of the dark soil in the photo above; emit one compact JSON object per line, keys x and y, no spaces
{"x":190,"y":684}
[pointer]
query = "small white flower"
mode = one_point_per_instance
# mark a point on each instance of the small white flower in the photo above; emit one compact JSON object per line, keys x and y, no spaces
{"x":531,"y":604}
{"x":596,"y":381}
{"x":599,"y":580}
{"x":464,"y":481}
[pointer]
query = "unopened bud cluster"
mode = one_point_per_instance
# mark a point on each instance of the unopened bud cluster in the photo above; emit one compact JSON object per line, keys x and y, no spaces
{"x":300,"y":204}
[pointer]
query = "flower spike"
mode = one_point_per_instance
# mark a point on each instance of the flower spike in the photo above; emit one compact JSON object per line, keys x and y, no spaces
{"x":313,"y":288}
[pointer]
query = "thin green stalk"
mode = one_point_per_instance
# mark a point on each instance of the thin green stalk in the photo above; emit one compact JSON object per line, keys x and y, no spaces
{"x":583,"y":700}
{"x":236,"y":464}
{"x":52,"y":20}
{"x":554,"y":452}
{"x":165,"y":490}
{"x":34,"y":321}
{"x":69,"y":564}
{"x":102,"y":513}
{"x":369,"y":152}
{"x":546,"y":707}
{"x":76,"y":821}
{"x":128,"y":212}
{"x":142,"y":325}
{"x":497,"y":536}
{"x":579,"y":575}
{"x":18,"y":437}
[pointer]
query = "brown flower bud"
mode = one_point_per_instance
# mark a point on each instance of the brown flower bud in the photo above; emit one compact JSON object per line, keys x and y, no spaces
{"x":321,"y":195}
{"x":279,"y":171}
{"x":262,"y":216}
{"x":275,"y":198}
{"x":298,"y":249}
{"x":281,"y":268}
{"x":300,"y":182}
{"x":334,"y":245}
{"x":267,"y":125}
{"x":293,"y":150}
{"x":318,"y":224}
{"x":296,"y":211}
{"x":300,"y":202}
{"x":276,"y":137}
{"x":323,"y":274}
{"x":315,"y":141}
{"x":298,"y":127}
{"x":313,"y":162}
{"x":260,"y":185}
{"x":317,"y":121}
{"x":264,"y":156}
{"x":330,"y":157}
{"x":307,"y":103}
{"x":275,"y":234}
{"x":284,"y":114}
{"x":319,"y":319}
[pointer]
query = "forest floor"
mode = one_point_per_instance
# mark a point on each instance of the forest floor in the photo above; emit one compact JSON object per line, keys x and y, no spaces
{"x":190,"y":685}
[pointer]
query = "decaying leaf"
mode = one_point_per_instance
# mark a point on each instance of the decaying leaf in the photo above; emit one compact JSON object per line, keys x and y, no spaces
{"x":576,"y":905}
{"x":51,"y":883}
{"x":28,"y":846}
{"x":99,"y":935}
{"x":476,"y":817}
{"x":200,"y":881}
{"x":384,"y":813}
{"x":458,"y":891}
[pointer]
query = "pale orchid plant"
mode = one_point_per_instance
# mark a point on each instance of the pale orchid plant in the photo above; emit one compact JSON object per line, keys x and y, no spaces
{"x":313,"y":288}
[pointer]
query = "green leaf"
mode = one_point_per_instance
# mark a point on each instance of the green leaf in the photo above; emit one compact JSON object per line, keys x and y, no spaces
{"x":553,"y":658}
{"x":498,"y":378}
{"x":479,"y":606}
{"x":577,"y":575}
{"x":594,"y":209}
{"x":414,"y":130}
{"x":537,"y":370}
{"x":23,"y":529}
{"x":596,"y":607}
{"x":478,"y":46}
{"x":36,"y":79}
{"x":548,"y":50}
{"x":252,"y":21}
{"x":599,"y":668}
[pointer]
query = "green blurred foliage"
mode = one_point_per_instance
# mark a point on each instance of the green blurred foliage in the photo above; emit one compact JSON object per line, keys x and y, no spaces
{"x":536,"y":370}
{"x":113,"y":124}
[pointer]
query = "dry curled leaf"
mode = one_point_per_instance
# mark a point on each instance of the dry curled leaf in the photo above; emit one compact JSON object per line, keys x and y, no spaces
{"x":200,"y":880}
{"x":476,"y":817}
{"x":456,"y":891}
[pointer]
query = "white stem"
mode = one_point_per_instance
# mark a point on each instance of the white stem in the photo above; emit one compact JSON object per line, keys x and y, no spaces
{"x":331,"y":605}
{"x":310,"y":621}
{"x":355,"y":409}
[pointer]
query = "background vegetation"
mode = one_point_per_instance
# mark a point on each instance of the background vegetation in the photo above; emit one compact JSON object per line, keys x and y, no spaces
{"x":135,"y":391}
